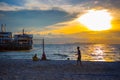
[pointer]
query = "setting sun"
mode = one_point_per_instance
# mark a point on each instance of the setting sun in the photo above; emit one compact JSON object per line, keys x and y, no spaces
{"x":96,"y":20}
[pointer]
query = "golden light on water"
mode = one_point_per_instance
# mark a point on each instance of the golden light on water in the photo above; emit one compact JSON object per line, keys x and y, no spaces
{"x":98,"y":55}
{"x":96,"y":20}
{"x":98,"y":52}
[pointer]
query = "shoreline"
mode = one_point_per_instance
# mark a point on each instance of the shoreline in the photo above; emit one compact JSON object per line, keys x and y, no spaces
{"x":26,"y":69}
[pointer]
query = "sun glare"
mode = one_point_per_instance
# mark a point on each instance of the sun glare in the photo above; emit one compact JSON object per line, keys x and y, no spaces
{"x":96,"y":20}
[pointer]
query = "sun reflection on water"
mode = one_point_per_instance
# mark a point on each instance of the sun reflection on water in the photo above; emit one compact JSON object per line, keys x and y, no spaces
{"x":98,"y":52}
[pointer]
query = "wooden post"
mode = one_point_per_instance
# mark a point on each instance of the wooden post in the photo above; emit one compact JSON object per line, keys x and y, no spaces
{"x":43,"y":45}
{"x":43,"y":55}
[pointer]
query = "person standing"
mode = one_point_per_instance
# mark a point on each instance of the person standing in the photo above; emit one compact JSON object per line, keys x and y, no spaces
{"x":79,"y":56}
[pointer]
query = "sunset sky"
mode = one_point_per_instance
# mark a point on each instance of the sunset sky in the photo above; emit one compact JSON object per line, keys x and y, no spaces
{"x":64,"y":21}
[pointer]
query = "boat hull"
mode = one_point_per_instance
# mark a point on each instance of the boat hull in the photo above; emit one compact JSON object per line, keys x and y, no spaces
{"x":13,"y":47}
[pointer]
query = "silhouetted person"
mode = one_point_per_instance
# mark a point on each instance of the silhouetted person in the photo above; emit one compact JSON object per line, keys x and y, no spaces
{"x":79,"y":56}
{"x":35,"y":58}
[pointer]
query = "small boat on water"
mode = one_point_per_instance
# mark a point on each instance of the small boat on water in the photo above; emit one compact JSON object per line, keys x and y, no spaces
{"x":16,"y":42}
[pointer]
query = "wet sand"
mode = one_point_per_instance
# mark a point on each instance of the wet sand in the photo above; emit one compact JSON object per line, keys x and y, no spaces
{"x":15,"y":69}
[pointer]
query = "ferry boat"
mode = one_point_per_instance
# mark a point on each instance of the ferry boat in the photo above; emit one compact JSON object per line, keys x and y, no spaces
{"x":17,"y":42}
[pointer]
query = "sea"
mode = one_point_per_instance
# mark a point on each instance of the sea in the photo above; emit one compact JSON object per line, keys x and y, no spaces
{"x":89,"y":52}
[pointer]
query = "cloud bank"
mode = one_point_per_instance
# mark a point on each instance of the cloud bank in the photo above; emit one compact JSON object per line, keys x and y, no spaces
{"x":70,"y":6}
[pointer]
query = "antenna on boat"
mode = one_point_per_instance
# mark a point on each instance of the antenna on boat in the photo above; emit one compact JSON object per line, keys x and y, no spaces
{"x":3,"y":28}
{"x":43,"y":55}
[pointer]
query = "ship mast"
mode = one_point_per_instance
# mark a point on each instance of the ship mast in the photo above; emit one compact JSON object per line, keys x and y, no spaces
{"x":3,"y":28}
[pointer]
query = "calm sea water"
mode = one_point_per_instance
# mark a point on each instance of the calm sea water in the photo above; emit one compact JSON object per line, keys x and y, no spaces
{"x":90,"y":52}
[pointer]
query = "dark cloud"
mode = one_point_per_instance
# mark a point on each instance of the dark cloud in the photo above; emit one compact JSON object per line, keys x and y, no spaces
{"x":36,"y":19}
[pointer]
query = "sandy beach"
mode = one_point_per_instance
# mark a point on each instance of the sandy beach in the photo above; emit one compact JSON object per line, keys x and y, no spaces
{"x":15,"y":69}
